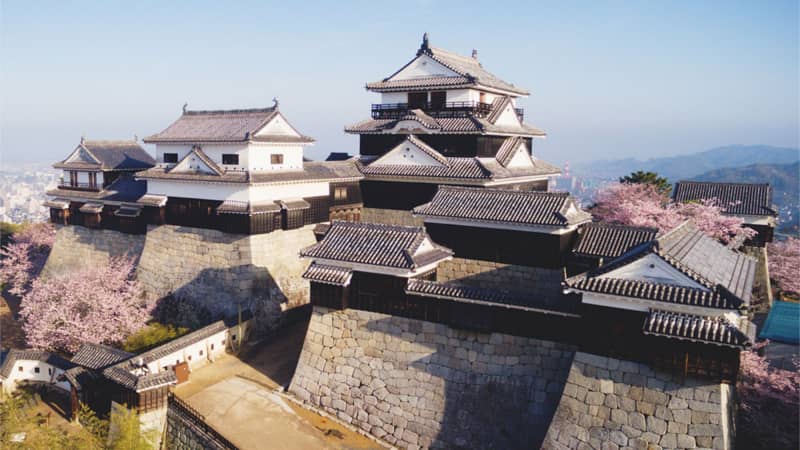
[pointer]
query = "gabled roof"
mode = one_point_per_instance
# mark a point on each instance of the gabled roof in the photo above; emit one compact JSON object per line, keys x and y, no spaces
{"x":469,"y":124}
{"x":550,"y":209}
{"x":599,"y":240}
{"x":376,"y":244}
{"x":321,"y":273}
{"x":710,"y":330}
{"x":196,"y":161}
{"x":107,"y":155}
{"x":15,"y":355}
{"x":181,"y":342}
{"x":139,"y":383}
{"x":467,"y":72}
{"x":238,"y":125}
{"x":725,"y":276}
{"x":98,"y":356}
{"x":733,"y":198}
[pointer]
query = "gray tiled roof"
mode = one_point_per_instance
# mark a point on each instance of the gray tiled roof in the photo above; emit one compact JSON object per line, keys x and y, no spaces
{"x":376,"y":244}
{"x":111,"y":155}
{"x":79,"y":376}
{"x":123,"y":189}
{"x":98,"y":356}
{"x":507,"y":150}
{"x":556,"y":209}
{"x":610,"y":241}
{"x":469,"y":124}
{"x":321,"y":273}
{"x":139,"y":383}
{"x":707,"y":261}
{"x":238,"y":125}
{"x":181,"y":342}
{"x":733,"y":198}
{"x":726,"y":275}
{"x":15,"y":355}
{"x":312,"y":171}
{"x":471,"y":74}
{"x":713,"y":330}
{"x":240,"y":207}
{"x":660,"y":292}
{"x":490,"y":297}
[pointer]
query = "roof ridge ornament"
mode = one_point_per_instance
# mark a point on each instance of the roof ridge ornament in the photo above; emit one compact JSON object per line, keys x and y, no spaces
{"x":275,"y":102}
{"x":425,"y":47}
{"x":474,"y":53}
{"x":185,"y":107}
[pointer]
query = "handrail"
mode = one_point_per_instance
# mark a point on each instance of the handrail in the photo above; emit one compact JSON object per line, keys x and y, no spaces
{"x":199,"y":420}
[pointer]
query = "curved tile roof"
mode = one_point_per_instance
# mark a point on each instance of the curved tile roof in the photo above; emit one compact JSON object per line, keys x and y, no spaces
{"x":733,"y":198}
{"x":712,"y":330}
{"x":610,"y":241}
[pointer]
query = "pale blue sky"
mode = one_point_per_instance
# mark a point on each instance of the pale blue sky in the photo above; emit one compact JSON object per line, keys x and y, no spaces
{"x":608,"y":79}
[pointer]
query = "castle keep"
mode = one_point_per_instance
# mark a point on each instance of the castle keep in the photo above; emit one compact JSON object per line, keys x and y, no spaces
{"x":456,"y":301}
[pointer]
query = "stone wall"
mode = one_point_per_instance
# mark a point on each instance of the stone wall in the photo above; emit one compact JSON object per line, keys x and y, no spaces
{"x":220,"y":270}
{"x":509,"y":277}
{"x":79,"y":247}
{"x":187,"y":431}
{"x":390,"y":216}
{"x":614,"y":404}
{"x":419,"y":384}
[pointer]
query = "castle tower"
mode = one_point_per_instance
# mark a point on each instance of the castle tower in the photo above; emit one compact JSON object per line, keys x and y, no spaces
{"x":444,"y":119}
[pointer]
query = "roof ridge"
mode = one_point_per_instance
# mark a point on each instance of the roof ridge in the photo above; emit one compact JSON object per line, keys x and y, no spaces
{"x":200,"y":112}
{"x":619,"y":226}
{"x":376,"y":225}
{"x":737,"y":183}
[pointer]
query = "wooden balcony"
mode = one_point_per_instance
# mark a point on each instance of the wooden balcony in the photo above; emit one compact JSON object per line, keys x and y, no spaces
{"x":80,"y":186}
{"x":436,"y":109}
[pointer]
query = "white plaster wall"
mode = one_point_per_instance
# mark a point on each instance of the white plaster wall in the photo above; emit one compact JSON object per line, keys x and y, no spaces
{"x":394,"y":97}
{"x":219,"y":340}
{"x":653,"y":269}
{"x":407,"y":154}
{"x":260,"y":157}
{"x":214,"y":151}
{"x":208,"y":191}
{"x":265,"y":193}
{"x":423,"y":66}
{"x":521,"y":158}
{"x":47,"y":373}
{"x":278,"y":126}
{"x":508,"y":118}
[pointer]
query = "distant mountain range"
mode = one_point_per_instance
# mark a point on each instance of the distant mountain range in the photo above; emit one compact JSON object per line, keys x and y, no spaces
{"x":785,"y":182}
{"x":682,"y":167}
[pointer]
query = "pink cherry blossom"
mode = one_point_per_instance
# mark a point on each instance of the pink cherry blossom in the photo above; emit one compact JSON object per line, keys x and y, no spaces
{"x":23,"y":259}
{"x":784,"y":265}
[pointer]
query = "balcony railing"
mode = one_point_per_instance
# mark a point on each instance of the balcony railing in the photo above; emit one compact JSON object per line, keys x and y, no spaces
{"x":435,"y":109}
{"x":79,"y":186}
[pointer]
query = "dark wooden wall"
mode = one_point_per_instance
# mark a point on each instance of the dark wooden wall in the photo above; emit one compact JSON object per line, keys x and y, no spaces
{"x":396,"y":195}
{"x":504,"y":246}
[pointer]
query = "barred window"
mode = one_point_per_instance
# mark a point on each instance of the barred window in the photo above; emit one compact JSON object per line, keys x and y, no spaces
{"x":340,"y":193}
{"x":276,"y":159}
{"x":170,"y":157}
{"x":230,"y":159}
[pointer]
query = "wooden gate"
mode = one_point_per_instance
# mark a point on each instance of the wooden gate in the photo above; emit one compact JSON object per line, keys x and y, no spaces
{"x":182,"y":372}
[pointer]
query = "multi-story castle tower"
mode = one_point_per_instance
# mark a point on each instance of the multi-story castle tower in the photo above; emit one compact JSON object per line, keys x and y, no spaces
{"x":444,"y":119}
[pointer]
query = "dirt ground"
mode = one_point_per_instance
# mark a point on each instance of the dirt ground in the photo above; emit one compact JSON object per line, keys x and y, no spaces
{"x":239,"y":397}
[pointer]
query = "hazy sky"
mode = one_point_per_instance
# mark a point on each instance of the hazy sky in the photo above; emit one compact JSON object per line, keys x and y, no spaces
{"x":608,"y":79}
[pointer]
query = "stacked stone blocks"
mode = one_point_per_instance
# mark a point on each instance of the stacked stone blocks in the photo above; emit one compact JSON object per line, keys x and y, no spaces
{"x":615,"y":404}
{"x":417,"y":384}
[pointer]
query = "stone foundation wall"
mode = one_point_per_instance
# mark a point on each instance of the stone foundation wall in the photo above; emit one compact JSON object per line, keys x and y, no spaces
{"x":419,"y":384}
{"x":220,"y":270}
{"x":390,"y":216}
{"x":78,"y":247}
{"x":611,"y":404}
{"x":487,"y":274}
{"x":185,"y":431}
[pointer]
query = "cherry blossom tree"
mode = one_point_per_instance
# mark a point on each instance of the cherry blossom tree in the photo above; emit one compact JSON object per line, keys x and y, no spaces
{"x":97,"y":304}
{"x":784,"y":265}
{"x":23,"y":259}
{"x":643,"y":205}
{"x":769,"y":401}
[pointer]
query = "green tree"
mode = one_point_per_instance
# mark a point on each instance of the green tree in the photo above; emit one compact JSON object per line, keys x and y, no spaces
{"x":126,"y":431}
{"x":151,"y":336}
{"x":652,"y":178}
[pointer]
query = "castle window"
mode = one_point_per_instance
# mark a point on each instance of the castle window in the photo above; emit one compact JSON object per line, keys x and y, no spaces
{"x":340,"y":193}
{"x":276,"y":159}
{"x":20,"y":368}
{"x":438,"y":99}
{"x":201,"y":352}
{"x":189,"y":358}
{"x":36,"y":369}
{"x":170,"y":157}
{"x":230,"y":159}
